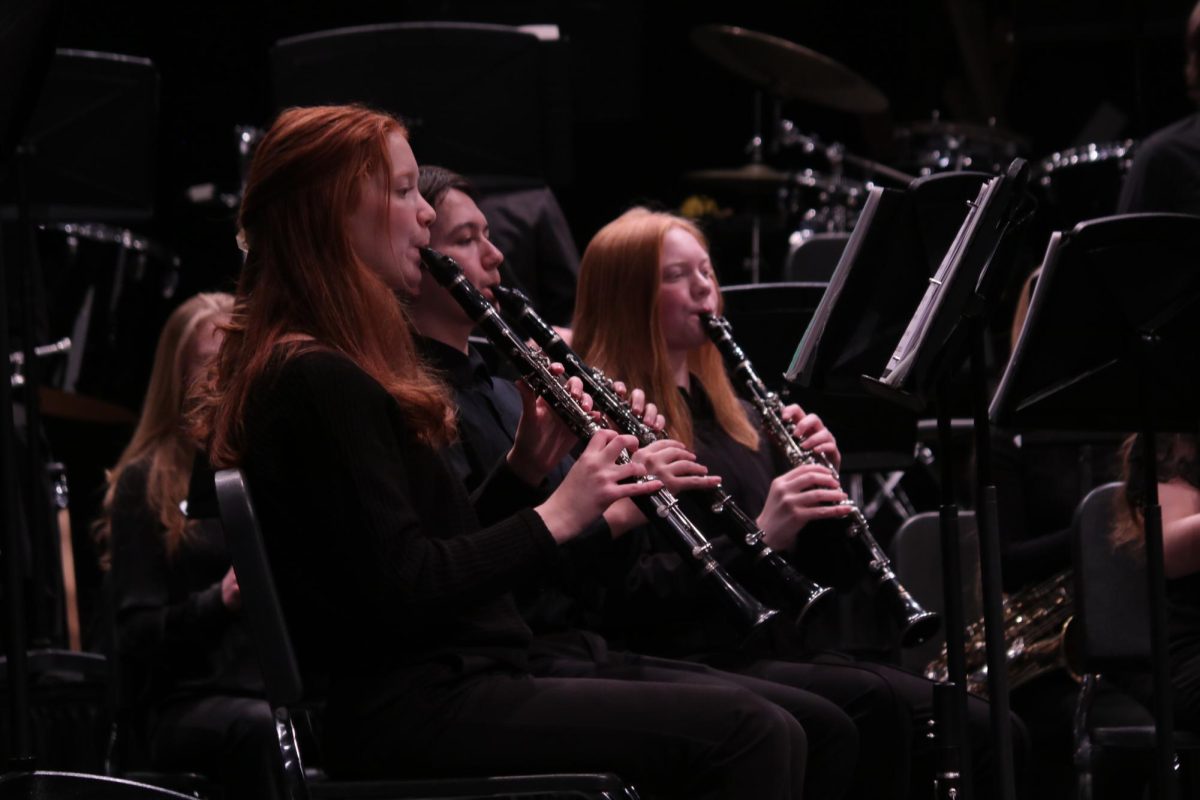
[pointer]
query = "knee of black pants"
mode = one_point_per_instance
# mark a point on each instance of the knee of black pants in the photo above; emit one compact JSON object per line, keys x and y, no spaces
{"x":761,"y":722}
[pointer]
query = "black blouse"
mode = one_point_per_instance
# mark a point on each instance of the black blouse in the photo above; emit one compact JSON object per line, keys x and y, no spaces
{"x":383,"y":569}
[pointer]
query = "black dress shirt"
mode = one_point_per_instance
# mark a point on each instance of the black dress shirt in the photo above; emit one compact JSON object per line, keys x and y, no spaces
{"x":489,"y":408}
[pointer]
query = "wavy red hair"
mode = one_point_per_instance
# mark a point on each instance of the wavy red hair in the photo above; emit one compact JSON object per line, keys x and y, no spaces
{"x":303,"y":286}
{"x":617,"y":325}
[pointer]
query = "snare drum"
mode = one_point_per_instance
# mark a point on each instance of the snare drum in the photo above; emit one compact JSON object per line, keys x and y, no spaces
{"x":1084,"y":182}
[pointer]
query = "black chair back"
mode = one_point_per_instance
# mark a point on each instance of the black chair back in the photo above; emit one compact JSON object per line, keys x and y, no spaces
{"x":277,"y":659}
{"x":1111,"y":605}
{"x":916,"y":552}
{"x":285,"y":690}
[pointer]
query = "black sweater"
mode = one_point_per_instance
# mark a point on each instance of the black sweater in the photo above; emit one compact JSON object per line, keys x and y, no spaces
{"x":175,"y":637}
{"x":380,"y":560}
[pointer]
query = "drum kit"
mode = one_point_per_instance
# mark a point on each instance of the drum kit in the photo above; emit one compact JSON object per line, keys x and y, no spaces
{"x":821,"y":204}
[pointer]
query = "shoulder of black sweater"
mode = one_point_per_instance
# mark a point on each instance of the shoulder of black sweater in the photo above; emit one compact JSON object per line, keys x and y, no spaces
{"x":132,"y":483}
{"x":324,"y":366}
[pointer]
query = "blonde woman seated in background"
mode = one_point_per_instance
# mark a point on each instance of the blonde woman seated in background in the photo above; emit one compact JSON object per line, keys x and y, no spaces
{"x":180,"y":640}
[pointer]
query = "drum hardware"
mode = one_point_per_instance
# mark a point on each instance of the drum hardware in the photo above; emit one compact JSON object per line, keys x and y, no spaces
{"x":786,"y":70}
{"x":1086,"y":154}
{"x":787,"y":135}
{"x":248,"y":137}
{"x":127,"y":242}
{"x":937,"y":146}
{"x":17,"y":358}
{"x":105,"y":282}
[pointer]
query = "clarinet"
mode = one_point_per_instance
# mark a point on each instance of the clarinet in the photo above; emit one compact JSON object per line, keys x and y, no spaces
{"x":661,"y":507}
{"x":787,"y":586}
{"x":916,"y":624}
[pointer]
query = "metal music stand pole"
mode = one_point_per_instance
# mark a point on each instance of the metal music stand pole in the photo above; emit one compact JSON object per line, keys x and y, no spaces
{"x":946,"y":330}
{"x":957,"y":737}
{"x":21,"y":757}
{"x":988,"y":519}
{"x":26,"y":46}
{"x":1156,"y":581}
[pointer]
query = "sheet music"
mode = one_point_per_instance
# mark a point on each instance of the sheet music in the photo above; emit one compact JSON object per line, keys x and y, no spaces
{"x":918,"y":326}
{"x":816,"y":327}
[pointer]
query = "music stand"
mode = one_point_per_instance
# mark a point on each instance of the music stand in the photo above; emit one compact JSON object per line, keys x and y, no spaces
{"x":767,"y":316}
{"x":896,"y":246}
{"x":886,"y":265}
{"x":92,"y":141}
{"x":947,"y":328}
{"x":1110,"y":344}
{"x":482,"y":99}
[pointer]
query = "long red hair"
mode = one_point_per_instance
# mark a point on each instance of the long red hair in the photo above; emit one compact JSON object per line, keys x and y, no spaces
{"x":302,"y":278}
{"x":617,"y":326}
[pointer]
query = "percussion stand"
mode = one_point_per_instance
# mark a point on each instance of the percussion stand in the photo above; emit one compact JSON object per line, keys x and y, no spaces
{"x":754,"y":149}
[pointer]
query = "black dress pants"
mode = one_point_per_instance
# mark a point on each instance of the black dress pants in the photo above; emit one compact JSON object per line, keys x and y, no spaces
{"x":229,"y":739}
{"x":891,"y":765}
{"x":672,"y":740}
{"x":833,"y":744}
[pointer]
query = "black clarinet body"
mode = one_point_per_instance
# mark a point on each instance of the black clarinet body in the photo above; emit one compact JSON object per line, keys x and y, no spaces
{"x":660,"y":507}
{"x":787,"y":586}
{"x":916,"y":624}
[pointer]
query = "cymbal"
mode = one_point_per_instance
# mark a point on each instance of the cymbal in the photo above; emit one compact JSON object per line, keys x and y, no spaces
{"x":788,"y":70}
{"x":747,"y":178}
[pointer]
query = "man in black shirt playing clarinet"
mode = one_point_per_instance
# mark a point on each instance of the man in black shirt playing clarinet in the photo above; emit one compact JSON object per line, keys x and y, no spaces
{"x":561,"y":613}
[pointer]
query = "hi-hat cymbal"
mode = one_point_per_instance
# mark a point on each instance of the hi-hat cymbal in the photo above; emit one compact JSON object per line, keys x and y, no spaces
{"x":788,"y":70}
{"x":747,"y":178}
{"x":762,"y":178}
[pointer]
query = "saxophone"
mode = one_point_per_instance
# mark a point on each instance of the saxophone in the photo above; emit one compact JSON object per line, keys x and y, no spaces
{"x":1037,"y":623}
{"x":916,"y":623}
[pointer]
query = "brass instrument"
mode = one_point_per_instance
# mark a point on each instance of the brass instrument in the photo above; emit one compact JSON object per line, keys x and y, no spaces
{"x":916,"y":624}
{"x":1036,"y":636}
{"x":786,"y":585}
{"x":660,"y":507}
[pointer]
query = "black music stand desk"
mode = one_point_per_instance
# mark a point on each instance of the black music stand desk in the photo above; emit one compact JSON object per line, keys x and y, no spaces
{"x":947,"y":329}
{"x":1110,"y":343}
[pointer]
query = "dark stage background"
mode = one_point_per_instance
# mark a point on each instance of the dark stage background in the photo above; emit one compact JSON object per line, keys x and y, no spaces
{"x":646,"y":106}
